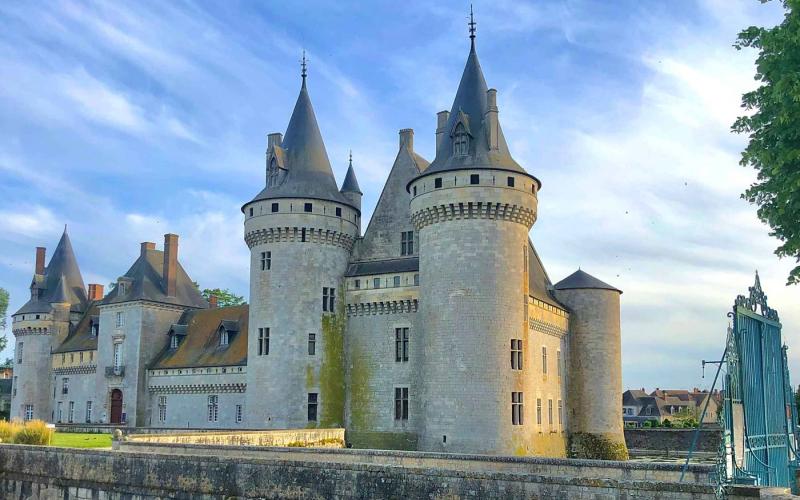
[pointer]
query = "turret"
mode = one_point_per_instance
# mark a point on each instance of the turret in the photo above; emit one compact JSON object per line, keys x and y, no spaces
{"x":595,"y":367}
{"x":472,"y":208}
{"x":350,"y":189}
{"x":300,"y":230}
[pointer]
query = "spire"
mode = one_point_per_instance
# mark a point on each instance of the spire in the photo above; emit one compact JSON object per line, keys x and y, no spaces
{"x":350,"y":184}
{"x":471,"y":24}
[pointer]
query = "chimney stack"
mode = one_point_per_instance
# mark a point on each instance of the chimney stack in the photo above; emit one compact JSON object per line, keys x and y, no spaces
{"x":40,"y":252}
{"x":146,"y":245}
{"x":213,"y":302}
{"x":492,"y":122}
{"x":407,"y":138}
{"x":170,"y":264}
{"x":95,"y":291}
{"x":273,"y":140}
{"x":441,"y":124}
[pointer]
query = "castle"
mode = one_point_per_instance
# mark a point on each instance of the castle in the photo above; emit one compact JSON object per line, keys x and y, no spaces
{"x":437,"y":329}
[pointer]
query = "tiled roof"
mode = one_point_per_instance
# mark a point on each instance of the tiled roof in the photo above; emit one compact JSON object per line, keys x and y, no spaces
{"x":80,"y":338}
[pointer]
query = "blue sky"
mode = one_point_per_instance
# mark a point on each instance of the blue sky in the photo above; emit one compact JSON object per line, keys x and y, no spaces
{"x":129,"y":120}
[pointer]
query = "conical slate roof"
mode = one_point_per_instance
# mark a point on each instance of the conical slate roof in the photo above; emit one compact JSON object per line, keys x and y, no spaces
{"x":62,"y":281}
{"x":308,"y":170}
{"x":470,"y":107}
{"x":350,"y":184}
{"x":580,"y":279}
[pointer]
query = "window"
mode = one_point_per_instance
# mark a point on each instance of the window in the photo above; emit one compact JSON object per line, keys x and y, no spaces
{"x":396,"y":281}
{"x":19,"y":352}
{"x":308,"y":207}
{"x":401,"y":403}
{"x":516,"y":354}
{"x":538,"y":411}
{"x":28,"y":412}
{"x":401,"y":344}
{"x":59,"y":413}
{"x":544,"y":360}
{"x":80,"y":355}
{"x":407,"y":243}
{"x":475,"y":179}
{"x":437,"y":183}
{"x":274,"y":207}
{"x":328,"y":299}
{"x":173,"y":342}
{"x":558,"y":363}
{"x":238,"y":414}
{"x":550,"y":412}
{"x":560,"y":413}
{"x":416,"y":280}
{"x":338,"y":211}
{"x":213,"y":408}
{"x":91,"y":356}
{"x":117,"y":354}
{"x":37,"y":316}
{"x":263,"y":341}
{"x":312,"y":344}
{"x":120,"y":319}
{"x":357,"y":284}
{"x":95,"y":330}
{"x":266,"y":261}
{"x":71,"y":357}
{"x":121,"y":289}
{"x":71,"y":412}
{"x":312,"y":406}
{"x":251,"y":211}
{"x":303,"y":234}
{"x":516,"y":408}
{"x":162,"y":408}
{"x":223,"y":336}
{"x":376,"y":283}
{"x":511,"y":182}
{"x":88,"y":412}
{"x":460,"y":140}
{"x":65,"y":385}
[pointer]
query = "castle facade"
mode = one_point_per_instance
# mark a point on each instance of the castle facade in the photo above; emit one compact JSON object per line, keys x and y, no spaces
{"x":436,"y":329}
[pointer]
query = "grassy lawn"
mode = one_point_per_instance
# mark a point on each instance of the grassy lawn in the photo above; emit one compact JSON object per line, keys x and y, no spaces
{"x":79,"y":440}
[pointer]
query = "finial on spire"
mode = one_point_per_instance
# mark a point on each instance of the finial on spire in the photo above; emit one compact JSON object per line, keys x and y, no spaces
{"x":471,"y":26}
{"x":303,"y":67}
{"x":351,"y":157}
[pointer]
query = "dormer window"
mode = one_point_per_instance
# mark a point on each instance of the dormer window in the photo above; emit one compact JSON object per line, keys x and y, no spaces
{"x":94,"y":328}
{"x":174,"y":342}
{"x":121,"y":288}
{"x":223,"y":336}
{"x":227,"y":330}
{"x":460,"y":141}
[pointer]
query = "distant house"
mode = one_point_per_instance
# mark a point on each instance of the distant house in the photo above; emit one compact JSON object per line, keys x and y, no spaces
{"x":639,"y":407}
{"x":6,"y":376}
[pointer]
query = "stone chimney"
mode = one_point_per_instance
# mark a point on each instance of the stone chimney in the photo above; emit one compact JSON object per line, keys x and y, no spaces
{"x":95,"y":291}
{"x":146,"y":245}
{"x":40,"y":253}
{"x":492,"y":123}
{"x":407,"y":138}
{"x":213,"y":301}
{"x":170,"y":264}
{"x":273,"y":140}
{"x":441,"y":127}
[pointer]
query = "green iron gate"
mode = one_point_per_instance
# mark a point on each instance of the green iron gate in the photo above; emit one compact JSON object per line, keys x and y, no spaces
{"x":759,"y":414}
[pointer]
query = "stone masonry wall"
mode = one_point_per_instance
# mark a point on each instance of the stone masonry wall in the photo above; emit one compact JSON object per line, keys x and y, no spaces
{"x":670,"y":440}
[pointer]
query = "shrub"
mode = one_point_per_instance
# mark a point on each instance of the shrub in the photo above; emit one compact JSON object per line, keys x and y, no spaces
{"x":648,"y":424}
{"x":8,"y":430}
{"x":34,"y":432}
{"x":667,"y":422}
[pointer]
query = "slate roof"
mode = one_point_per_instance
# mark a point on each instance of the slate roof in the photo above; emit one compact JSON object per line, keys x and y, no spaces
{"x":308,"y":169}
{"x":350,"y":184}
{"x":583,"y":280}
{"x":62,"y":282}
{"x":469,"y":107}
{"x":539,"y":284}
{"x":147,"y":283}
{"x":404,"y":265}
{"x":80,"y":338}
{"x":200,"y":346}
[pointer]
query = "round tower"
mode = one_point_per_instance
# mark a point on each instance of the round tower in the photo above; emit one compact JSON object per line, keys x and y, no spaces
{"x":300,"y":230}
{"x":473,"y":208}
{"x":595,"y":367}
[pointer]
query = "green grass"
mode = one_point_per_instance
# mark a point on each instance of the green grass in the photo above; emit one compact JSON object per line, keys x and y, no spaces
{"x":79,"y":440}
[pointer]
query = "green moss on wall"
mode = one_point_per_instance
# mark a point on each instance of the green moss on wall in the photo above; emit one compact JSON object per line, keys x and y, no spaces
{"x":331,"y":372}
{"x":360,"y":395}
{"x":596,"y":447}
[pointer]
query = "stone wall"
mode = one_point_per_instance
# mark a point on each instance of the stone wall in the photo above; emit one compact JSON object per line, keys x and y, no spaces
{"x":672,"y":440}
{"x":28,"y":472}
{"x":292,"y":437}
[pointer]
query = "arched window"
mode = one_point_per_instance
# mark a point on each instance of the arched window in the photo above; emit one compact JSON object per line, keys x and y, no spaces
{"x":460,"y":140}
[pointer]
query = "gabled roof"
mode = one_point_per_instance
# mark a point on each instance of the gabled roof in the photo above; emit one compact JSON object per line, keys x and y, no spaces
{"x":470,"y":107}
{"x":80,"y":338}
{"x":147,"y":283}
{"x":62,"y":282}
{"x":200,"y":347}
{"x":308,"y":169}
{"x":583,"y":280}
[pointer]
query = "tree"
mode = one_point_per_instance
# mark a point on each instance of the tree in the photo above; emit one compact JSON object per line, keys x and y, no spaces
{"x":773,"y":128}
{"x":225,"y":298}
{"x":3,"y":312}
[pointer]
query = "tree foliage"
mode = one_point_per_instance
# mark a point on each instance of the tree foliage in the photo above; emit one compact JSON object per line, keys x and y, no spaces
{"x":772,"y":124}
{"x":225,"y":298}
{"x":3,"y":312}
